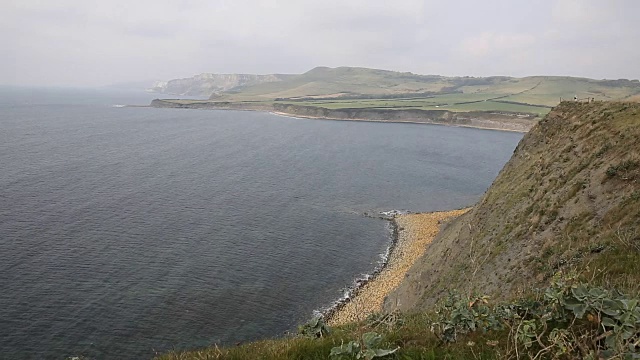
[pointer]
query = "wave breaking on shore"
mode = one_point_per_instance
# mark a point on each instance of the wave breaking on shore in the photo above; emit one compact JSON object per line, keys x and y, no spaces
{"x":410,"y":234}
{"x":352,"y":290}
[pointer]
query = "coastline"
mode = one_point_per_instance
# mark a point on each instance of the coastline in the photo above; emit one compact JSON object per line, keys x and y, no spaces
{"x":475,"y":120}
{"x":426,"y":122}
{"x":413,"y":233}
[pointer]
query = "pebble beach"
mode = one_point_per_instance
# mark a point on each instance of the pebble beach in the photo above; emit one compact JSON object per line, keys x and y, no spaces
{"x":415,"y":232}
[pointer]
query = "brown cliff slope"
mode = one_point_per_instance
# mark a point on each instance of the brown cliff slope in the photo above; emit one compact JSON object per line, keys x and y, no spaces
{"x":568,"y":198}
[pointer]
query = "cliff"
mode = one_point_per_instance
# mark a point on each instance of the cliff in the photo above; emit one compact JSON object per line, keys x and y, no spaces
{"x":353,"y":93}
{"x":532,"y":94}
{"x":569,"y":198}
{"x":479,"y":119}
{"x":207,"y":84}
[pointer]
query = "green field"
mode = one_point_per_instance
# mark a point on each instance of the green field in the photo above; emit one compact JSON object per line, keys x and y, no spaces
{"x":450,"y":102}
{"x":362,"y":88}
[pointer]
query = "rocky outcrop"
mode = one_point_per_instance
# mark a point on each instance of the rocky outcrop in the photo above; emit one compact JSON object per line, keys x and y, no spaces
{"x":208,"y":105}
{"x":206,"y":84}
{"x":366,"y":114}
{"x":477,"y":119}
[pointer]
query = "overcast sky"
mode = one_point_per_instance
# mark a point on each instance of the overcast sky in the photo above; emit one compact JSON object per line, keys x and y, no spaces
{"x":86,"y":42}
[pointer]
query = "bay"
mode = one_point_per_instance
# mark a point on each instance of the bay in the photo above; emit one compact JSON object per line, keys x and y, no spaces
{"x":130,"y":231}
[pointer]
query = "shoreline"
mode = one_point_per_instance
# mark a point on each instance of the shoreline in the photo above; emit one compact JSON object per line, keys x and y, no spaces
{"x":426,"y":122}
{"x":496,"y":124}
{"x":411,"y":235}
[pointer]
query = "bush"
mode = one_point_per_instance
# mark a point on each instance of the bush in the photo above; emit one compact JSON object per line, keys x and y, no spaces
{"x":367,"y":349}
{"x":315,"y":328}
{"x":567,"y":319}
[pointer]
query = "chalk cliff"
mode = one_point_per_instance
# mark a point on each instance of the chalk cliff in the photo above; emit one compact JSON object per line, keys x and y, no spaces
{"x":206,"y":84}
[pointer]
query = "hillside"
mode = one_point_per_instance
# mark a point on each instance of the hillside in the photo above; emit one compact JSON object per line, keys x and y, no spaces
{"x":351,"y":88}
{"x":568,"y":198}
{"x":563,"y":216}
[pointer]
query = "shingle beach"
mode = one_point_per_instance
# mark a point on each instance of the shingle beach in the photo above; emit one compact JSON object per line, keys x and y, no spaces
{"x":415,"y":232}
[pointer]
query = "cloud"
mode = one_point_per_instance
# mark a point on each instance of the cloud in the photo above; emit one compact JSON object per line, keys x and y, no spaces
{"x":74,"y":42}
{"x":578,"y":12}
{"x":488,"y":43}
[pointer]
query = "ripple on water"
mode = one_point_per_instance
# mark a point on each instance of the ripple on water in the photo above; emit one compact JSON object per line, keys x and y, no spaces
{"x":129,"y":230}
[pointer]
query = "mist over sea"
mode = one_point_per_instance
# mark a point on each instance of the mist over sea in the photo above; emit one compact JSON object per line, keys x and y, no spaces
{"x":125,"y":231}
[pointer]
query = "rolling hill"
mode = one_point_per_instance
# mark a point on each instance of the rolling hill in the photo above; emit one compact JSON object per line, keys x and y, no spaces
{"x":361,"y":88}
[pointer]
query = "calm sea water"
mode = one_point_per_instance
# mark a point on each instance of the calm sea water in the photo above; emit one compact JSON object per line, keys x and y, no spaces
{"x":126,"y":231}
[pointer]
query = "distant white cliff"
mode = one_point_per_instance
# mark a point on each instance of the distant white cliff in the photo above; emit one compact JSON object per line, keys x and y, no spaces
{"x":207,"y":84}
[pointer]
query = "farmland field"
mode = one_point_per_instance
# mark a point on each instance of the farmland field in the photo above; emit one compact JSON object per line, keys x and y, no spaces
{"x":361,"y":88}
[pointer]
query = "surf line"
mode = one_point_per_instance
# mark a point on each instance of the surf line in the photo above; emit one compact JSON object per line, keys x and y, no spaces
{"x":352,"y":291}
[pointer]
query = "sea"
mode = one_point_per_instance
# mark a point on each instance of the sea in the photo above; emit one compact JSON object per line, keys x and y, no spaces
{"x":127,"y":232}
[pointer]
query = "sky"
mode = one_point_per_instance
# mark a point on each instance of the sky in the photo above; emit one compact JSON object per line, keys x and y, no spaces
{"x":95,"y":43}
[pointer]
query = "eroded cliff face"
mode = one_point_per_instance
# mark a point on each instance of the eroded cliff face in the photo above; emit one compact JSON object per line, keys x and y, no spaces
{"x":477,"y":119}
{"x":367,"y":114}
{"x":204,"y":85}
{"x":568,"y":198}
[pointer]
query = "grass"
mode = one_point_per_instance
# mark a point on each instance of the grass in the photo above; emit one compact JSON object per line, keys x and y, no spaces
{"x":532,"y":95}
{"x":449,"y":102}
{"x":471,"y":327}
{"x":498,"y":106}
{"x":536,"y":90}
{"x":413,"y":337}
{"x":554,"y":196}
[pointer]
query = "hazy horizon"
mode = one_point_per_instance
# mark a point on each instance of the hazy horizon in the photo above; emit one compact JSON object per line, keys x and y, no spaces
{"x":88,"y":44}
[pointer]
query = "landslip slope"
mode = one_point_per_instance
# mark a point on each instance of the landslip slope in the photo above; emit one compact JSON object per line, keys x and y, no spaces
{"x":569,"y":198}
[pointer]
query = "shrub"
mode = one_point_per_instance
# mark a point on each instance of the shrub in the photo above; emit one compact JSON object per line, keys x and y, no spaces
{"x":567,"y":319}
{"x":367,"y":349}
{"x":314,"y":328}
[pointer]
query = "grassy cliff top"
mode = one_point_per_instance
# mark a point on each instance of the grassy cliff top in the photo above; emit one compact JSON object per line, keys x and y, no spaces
{"x":569,"y":197}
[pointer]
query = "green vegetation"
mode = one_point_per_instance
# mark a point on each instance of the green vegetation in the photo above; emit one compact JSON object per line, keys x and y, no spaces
{"x":366,"y":349}
{"x":314,"y":328}
{"x":361,"y":88}
{"x":569,"y":195}
{"x":568,"y":319}
{"x":450,"y":102}
{"x":624,"y":170}
{"x":408,"y":337}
